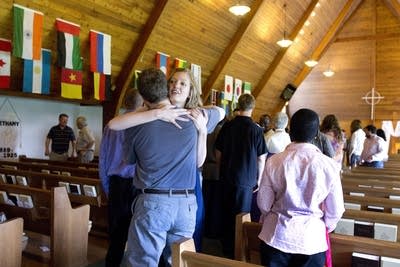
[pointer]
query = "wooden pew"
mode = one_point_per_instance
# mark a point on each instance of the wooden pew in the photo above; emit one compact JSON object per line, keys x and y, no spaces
{"x":54,"y":169}
{"x":185,"y":255}
{"x":247,"y":243}
{"x":68,"y":226}
{"x":76,"y":164}
{"x":366,"y":201}
{"x":47,"y":181}
{"x":11,"y":242}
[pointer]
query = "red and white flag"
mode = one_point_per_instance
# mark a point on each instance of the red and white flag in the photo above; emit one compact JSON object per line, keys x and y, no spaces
{"x":228,"y":91}
{"x":237,"y":91}
{"x":5,"y":63}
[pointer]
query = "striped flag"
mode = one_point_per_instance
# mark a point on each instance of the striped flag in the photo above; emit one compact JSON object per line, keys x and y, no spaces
{"x":71,"y":83}
{"x":100,"y":52}
{"x":68,"y":45}
{"x":196,"y":71}
{"x":162,"y":62}
{"x":228,"y":91}
{"x":247,"y":88}
{"x":102,"y":84}
{"x":37,"y":74}
{"x":237,"y":90}
{"x":28,"y":26}
{"x":180,"y":63}
{"x":5,"y":63}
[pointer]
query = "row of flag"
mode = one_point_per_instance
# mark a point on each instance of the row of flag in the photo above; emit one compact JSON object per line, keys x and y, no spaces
{"x":27,"y":39}
{"x":163,"y":63}
{"x":234,"y":88}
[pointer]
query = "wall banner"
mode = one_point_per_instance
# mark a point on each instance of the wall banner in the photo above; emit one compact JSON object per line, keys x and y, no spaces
{"x":10,"y":131}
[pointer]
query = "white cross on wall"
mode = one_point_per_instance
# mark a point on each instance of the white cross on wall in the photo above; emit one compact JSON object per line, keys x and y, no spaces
{"x":372,"y":98}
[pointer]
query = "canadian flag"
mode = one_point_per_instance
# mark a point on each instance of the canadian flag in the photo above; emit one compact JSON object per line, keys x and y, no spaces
{"x":5,"y":63}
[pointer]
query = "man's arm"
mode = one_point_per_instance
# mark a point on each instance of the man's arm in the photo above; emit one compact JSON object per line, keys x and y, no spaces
{"x":260,"y":167}
{"x":46,"y":148}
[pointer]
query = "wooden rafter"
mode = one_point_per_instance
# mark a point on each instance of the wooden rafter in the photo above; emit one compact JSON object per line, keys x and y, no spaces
{"x":230,"y":48}
{"x":377,"y":36}
{"x":277,"y":59}
{"x":393,"y":6}
{"x":110,"y":109}
{"x":326,"y":40}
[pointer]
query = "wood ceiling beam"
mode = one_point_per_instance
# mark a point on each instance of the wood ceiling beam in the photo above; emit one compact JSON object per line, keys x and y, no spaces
{"x":244,"y":26}
{"x":394,"y":7}
{"x":277,"y":59}
{"x":326,"y":40}
{"x":379,"y":36}
{"x":111,"y":108}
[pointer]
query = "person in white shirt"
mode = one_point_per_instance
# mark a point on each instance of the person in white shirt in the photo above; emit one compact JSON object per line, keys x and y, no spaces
{"x":381,"y":133}
{"x":373,"y":152}
{"x":356,"y":142}
{"x":278,"y":141}
{"x":85,"y":142}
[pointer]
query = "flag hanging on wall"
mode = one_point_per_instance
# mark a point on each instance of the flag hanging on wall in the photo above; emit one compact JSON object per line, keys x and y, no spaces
{"x":28,"y":24}
{"x":102,"y":84}
{"x":196,"y":71}
{"x":100,"y":52}
{"x":71,"y":83}
{"x":37,"y":74}
{"x":162,"y":62}
{"x":237,"y":90}
{"x":228,"y":91}
{"x":68,"y":45}
{"x":5,"y":63}
{"x":180,"y":63}
{"x":246,"y":88}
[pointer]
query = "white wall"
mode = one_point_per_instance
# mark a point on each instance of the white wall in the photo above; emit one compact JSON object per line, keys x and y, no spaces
{"x":38,"y":116}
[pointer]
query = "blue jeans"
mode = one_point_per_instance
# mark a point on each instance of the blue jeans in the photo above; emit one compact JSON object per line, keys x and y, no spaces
{"x":354,"y":159}
{"x":374,"y":164}
{"x":157,"y":222}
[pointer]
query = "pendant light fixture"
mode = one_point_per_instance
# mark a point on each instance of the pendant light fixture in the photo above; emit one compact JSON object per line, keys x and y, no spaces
{"x":284,"y":42}
{"x":329,"y":72}
{"x":311,"y":62}
{"x":239,"y":10}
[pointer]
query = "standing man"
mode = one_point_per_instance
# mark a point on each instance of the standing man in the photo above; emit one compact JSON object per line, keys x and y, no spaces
{"x":300,"y":198}
{"x":60,"y":136}
{"x":165,"y":176}
{"x":116,"y":176}
{"x":373,"y":153}
{"x":85,"y":142}
{"x":241,"y":154}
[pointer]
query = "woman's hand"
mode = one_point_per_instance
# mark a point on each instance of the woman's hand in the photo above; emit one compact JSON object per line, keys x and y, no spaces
{"x":172,"y":115}
{"x":200,"y":120}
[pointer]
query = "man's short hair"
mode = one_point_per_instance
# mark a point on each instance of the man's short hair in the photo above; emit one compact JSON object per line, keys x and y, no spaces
{"x":152,"y":85}
{"x":246,"y":102}
{"x":304,"y":125}
{"x":371,"y":128}
{"x":62,"y":115}
{"x":133,"y":99}
{"x":280,"y":120}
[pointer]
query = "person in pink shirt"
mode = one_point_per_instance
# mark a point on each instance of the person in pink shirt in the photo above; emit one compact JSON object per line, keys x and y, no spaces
{"x":300,"y":199}
{"x":374,"y":151}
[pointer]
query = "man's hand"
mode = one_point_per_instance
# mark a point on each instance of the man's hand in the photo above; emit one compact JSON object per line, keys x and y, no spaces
{"x":172,"y":115}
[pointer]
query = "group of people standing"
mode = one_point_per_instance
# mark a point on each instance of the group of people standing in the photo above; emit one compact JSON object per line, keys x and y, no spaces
{"x":150,"y":165}
{"x":61,"y":136}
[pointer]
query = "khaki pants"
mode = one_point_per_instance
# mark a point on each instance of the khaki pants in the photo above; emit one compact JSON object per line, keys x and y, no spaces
{"x":85,"y":156}
{"x":58,"y":157}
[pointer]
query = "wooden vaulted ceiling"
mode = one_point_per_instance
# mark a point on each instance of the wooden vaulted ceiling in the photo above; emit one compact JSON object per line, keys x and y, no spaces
{"x":341,"y":33}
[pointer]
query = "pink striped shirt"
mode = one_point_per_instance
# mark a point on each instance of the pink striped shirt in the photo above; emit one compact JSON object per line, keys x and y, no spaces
{"x":300,"y":198}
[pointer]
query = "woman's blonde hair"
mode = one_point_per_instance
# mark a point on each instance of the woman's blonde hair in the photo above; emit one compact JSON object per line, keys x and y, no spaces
{"x":194,"y":99}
